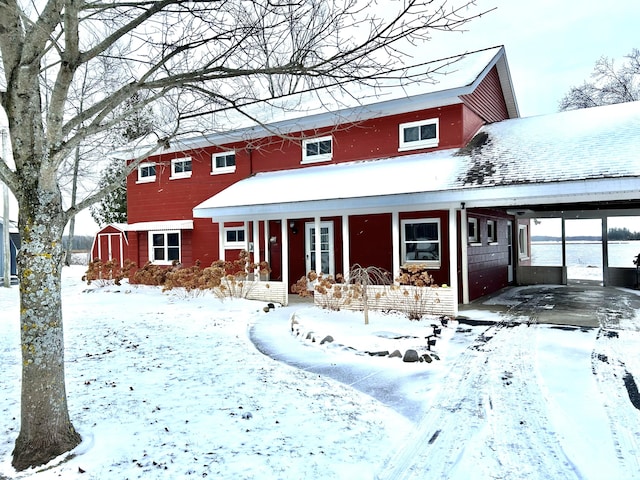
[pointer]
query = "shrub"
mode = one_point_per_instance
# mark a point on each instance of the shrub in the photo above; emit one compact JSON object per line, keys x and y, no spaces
{"x":107,"y":273}
{"x":226,"y":279}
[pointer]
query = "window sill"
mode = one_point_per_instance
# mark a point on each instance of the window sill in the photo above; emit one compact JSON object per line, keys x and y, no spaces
{"x":426,"y":263}
{"x":146,"y":180}
{"x":475,"y":244}
{"x":306,"y":161}
{"x":493,"y":243}
{"x":407,"y":148}
{"x":222,"y":171}
{"x":178,"y":177}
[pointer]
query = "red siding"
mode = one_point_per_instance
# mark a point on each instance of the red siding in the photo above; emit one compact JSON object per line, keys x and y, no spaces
{"x":488,"y":100}
{"x":488,"y":263}
{"x":370,"y":241}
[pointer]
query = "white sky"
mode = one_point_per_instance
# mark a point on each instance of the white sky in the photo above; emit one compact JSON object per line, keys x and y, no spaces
{"x":551,"y":46}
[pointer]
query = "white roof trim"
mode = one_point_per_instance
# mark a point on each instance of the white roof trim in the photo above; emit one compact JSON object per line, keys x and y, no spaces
{"x":164,"y":225}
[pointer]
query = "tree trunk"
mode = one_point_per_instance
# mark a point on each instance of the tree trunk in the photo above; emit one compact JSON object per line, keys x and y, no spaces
{"x":46,"y":430}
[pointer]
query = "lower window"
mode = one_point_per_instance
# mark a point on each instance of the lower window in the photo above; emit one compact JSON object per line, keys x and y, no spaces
{"x":421,"y":241}
{"x":164,"y":247}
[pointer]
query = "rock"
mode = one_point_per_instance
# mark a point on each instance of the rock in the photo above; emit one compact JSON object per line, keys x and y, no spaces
{"x":395,"y":354}
{"x":266,"y":309}
{"x":411,"y":356}
{"x":427,"y":358}
{"x":383,"y":353}
{"x":327,"y":339}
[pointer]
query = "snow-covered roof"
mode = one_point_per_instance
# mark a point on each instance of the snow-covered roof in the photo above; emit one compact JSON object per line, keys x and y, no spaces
{"x":428,"y":85}
{"x":576,"y":156}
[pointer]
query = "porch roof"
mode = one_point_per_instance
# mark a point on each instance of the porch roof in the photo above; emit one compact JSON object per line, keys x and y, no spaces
{"x":589,"y":155}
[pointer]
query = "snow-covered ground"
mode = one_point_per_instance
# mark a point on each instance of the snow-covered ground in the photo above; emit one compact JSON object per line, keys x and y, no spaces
{"x":167,"y":387}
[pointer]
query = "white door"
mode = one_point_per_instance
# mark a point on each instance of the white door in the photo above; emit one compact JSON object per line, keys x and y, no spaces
{"x":326,"y":247}
{"x":510,"y":249}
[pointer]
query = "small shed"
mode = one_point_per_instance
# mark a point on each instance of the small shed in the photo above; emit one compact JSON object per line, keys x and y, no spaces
{"x":14,"y":246}
{"x":111,"y":243}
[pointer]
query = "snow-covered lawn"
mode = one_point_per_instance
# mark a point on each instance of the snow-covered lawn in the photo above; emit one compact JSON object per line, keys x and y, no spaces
{"x":167,"y":387}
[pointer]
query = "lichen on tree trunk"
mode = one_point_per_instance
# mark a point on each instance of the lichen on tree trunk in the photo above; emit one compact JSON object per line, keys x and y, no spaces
{"x":46,"y":430}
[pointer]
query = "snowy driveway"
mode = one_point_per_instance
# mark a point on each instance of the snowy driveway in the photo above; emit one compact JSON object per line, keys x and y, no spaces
{"x":532,"y":401}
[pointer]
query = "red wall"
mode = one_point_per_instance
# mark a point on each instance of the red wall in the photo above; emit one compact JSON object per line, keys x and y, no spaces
{"x":488,"y":263}
{"x":370,"y":241}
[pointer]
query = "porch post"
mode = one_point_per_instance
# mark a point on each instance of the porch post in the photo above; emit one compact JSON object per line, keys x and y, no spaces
{"x":221,"y":254}
{"x":317,"y":266}
{"x":256,"y":241}
{"x":565,"y":274}
{"x":453,"y":257}
{"x":464,"y":258}
{"x":266,"y":242}
{"x":605,"y":252}
{"x":346,"y":261}
{"x":285,"y":258}
{"x":395,"y":244}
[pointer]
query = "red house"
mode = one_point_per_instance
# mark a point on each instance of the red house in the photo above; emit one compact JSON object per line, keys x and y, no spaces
{"x":412,"y":174}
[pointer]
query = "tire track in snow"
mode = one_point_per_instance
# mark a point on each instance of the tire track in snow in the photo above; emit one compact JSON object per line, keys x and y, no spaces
{"x":477,"y":421}
{"x":610,"y":371}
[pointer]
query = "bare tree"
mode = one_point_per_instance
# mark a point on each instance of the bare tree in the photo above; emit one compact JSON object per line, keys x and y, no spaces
{"x":180,"y":57}
{"x":609,"y":84}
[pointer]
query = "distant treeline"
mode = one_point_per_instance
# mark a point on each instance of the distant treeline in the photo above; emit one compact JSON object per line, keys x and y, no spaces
{"x":615,"y":234}
{"x":79,"y":242}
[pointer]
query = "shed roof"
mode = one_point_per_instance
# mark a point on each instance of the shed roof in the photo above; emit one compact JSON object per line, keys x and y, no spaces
{"x":576,"y":156}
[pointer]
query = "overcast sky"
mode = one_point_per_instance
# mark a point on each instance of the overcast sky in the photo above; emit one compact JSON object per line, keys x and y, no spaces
{"x":551,"y":45}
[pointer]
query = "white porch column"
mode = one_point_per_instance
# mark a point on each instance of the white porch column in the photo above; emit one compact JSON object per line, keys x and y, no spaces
{"x":453,"y":257}
{"x":221,"y":255}
{"x":395,"y":244}
{"x":256,"y":241}
{"x":346,"y":262}
{"x":285,"y":258}
{"x":464,"y":258}
{"x":267,"y":243}
{"x":317,"y":266}
{"x":605,"y":252}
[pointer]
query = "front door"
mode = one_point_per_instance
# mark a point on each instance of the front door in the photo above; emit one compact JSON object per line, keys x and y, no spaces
{"x":326,"y":247}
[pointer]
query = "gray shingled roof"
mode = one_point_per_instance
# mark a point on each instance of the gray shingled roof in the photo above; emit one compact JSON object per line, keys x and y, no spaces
{"x":592,"y":143}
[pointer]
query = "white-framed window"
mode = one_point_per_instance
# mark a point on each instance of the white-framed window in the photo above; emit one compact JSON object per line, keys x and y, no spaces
{"x":317,"y":149}
{"x":164,"y":247}
{"x":492,"y":236}
{"x":181,"y":167}
{"x":421,"y":241}
{"x":235,"y":238}
{"x":421,"y":134}
{"x":146,"y":172}
{"x":523,"y":242}
{"x":472,"y":230}
{"x":224,"y":162}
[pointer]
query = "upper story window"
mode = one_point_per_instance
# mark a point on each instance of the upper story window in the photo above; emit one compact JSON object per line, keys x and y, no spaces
{"x":164,"y":247}
{"x":181,"y":167}
{"x":235,"y":237}
{"x":421,"y":241}
{"x":224,"y":162}
{"x":421,"y":134}
{"x":317,"y":149}
{"x":146,"y":172}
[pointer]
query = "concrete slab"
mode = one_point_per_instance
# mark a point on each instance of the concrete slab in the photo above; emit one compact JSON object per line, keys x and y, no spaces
{"x":580,"y":305}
